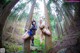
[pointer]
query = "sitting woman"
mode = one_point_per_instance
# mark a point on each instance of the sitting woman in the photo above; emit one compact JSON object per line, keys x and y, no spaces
{"x":44,"y":30}
{"x":31,"y":32}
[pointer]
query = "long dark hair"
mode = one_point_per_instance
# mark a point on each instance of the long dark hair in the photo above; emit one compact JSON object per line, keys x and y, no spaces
{"x":33,"y":21}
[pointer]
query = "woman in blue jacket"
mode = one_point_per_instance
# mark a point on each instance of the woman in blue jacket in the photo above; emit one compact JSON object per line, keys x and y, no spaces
{"x":31,"y":32}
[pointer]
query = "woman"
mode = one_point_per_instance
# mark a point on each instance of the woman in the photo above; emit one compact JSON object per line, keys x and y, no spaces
{"x":44,"y":29}
{"x":31,"y":32}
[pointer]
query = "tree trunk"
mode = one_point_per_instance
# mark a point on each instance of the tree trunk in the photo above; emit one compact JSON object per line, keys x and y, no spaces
{"x":48,"y":39}
{"x":60,"y":14}
{"x":28,"y":24}
{"x":3,"y":17}
{"x":72,"y":39}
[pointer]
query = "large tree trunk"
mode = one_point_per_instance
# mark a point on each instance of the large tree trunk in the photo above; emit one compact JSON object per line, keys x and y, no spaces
{"x":71,"y":41}
{"x":73,"y":37}
{"x":28,"y":24}
{"x":3,"y":17}
{"x":48,"y":39}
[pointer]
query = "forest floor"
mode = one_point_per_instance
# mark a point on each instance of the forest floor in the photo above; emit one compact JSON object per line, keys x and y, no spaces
{"x":37,"y":48}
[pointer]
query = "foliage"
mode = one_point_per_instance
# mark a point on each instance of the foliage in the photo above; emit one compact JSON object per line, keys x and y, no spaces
{"x":11,"y":47}
{"x":51,"y":15}
{"x":17,"y":11}
{"x":4,"y":1}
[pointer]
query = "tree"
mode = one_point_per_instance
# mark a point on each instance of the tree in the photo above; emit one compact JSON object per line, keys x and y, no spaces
{"x":28,"y":24}
{"x":3,"y":15}
{"x":71,"y":40}
{"x":48,"y":40}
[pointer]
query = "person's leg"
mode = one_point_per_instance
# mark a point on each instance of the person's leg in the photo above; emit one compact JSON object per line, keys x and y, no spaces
{"x":33,"y":41}
{"x":32,"y":38}
{"x":25,"y":36}
{"x":41,"y":38}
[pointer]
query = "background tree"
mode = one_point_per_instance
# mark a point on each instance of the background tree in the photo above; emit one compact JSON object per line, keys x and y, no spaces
{"x":28,"y":25}
{"x":4,"y":15}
